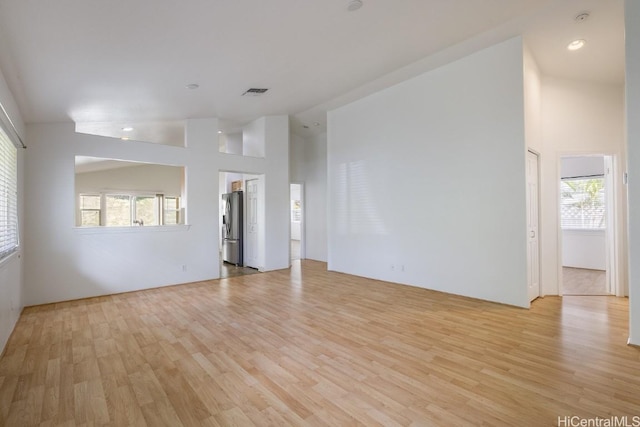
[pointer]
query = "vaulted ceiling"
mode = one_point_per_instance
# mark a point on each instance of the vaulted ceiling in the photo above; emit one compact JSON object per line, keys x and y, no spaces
{"x":130,"y":61}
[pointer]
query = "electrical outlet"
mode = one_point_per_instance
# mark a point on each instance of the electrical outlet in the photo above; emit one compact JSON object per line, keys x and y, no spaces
{"x":184,"y":268}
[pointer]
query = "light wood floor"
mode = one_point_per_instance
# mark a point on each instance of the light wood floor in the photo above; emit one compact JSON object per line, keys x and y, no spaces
{"x":310,"y":347}
{"x":229,"y":270}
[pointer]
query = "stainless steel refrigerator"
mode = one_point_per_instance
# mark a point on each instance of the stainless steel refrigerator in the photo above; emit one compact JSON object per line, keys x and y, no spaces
{"x":232,"y":230}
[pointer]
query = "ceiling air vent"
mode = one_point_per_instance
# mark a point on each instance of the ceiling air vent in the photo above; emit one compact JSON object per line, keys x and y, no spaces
{"x":254,"y":92}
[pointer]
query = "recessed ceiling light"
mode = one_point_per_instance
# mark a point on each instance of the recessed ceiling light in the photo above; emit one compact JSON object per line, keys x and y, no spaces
{"x":193,"y":86}
{"x":219,"y":131}
{"x":127,"y":129}
{"x":576,"y":44}
{"x":125,"y":138}
{"x":354,"y":5}
{"x":316,"y":123}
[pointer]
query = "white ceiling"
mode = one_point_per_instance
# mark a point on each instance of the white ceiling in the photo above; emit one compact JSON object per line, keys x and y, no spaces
{"x":93,"y":164}
{"x":128,"y":61}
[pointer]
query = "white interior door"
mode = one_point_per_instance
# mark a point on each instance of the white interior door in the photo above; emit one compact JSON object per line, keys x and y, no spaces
{"x":533,"y":252}
{"x":251,"y":247}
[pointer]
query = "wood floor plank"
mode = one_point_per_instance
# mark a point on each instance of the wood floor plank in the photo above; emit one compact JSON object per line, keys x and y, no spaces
{"x":309,"y":347}
{"x":50,"y":404}
{"x":234,"y":417}
{"x":161,"y":413}
{"x":185,"y":401}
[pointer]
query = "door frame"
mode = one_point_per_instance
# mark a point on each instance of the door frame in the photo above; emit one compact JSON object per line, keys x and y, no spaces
{"x":613,"y":230}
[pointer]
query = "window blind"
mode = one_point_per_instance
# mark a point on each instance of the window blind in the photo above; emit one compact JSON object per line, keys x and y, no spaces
{"x":8,"y":196}
{"x":582,"y":203}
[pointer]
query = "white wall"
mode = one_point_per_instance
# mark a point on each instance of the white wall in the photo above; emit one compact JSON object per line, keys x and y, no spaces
{"x":144,"y":177}
{"x":578,"y":118}
{"x":632,"y":40}
{"x":10,"y":296}
{"x":532,"y":103}
{"x":64,"y":262}
{"x":277,"y":241}
{"x":584,"y":249}
{"x":253,"y":139}
{"x":11,"y":269}
{"x":582,"y":166}
{"x":427,"y":180}
{"x":233,"y":143}
{"x":309,"y":166}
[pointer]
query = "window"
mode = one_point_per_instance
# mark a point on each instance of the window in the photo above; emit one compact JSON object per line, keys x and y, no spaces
{"x":90,"y":211}
{"x":125,"y":210}
{"x":146,"y":210}
{"x":171,"y":210}
{"x":583,"y":203}
{"x":117,"y":210}
{"x":8,"y":196}
{"x":296,"y":211}
{"x":120,"y":193}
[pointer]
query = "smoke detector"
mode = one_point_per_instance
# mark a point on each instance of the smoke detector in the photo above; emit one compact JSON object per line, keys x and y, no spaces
{"x":254,"y":91}
{"x":354,"y":5}
{"x":581,"y":17}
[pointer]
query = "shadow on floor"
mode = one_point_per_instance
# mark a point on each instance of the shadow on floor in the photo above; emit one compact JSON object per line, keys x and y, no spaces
{"x":229,"y":270}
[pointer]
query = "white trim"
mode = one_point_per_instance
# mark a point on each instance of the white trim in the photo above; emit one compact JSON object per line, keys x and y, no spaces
{"x":131,"y":229}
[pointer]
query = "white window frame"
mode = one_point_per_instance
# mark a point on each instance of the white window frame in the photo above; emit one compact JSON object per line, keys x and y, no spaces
{"x":159,"y":208}
{"x":164,"y":211}
{"x":80,"y":209}
{"x":9,"y":223}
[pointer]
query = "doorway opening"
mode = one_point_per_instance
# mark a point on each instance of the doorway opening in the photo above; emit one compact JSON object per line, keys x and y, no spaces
{"x":587,"y":225}
{"x":233,"y":211}
{"x":297,"y":221}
